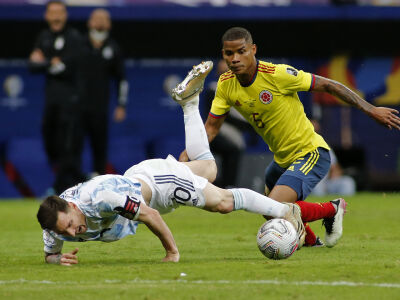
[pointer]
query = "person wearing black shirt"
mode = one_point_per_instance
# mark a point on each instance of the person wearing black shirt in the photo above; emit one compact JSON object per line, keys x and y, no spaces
{"x":56,"y":53}
{"x":102,"y":62}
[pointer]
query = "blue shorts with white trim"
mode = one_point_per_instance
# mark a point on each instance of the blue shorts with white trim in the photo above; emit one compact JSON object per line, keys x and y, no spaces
{"x":302,"y":175}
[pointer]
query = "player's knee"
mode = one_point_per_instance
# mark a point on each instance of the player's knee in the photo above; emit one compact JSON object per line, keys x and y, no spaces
{"x":226,"y":204}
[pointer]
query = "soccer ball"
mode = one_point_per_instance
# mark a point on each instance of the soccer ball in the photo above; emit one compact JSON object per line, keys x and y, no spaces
{"x":277,"y":239}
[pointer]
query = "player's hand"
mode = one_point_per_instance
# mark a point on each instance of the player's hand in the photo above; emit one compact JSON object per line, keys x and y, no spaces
{"x":171,"y":256}
{"x":69,"y":258}
{"x":386,"y":117}
{"x":183,"y":157}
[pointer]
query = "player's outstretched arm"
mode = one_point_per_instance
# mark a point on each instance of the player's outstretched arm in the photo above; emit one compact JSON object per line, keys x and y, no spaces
{"x":156,"y":224}
{"x":383,"y":115}
{"x":64,"y":259}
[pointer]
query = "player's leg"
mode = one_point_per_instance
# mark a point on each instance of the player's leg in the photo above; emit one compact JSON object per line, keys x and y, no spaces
{"x":186,"y":94}
{"x":297,"y":182}
{"x":226,"y":201}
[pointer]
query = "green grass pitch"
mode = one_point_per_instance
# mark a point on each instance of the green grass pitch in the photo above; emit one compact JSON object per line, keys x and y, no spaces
{"x":219,"y":259}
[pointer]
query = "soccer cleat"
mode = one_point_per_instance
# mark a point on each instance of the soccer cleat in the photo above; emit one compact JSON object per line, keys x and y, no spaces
{"x":193,"y":83}
{"x":318,"y":243}
{"x":294,"y":217}
{"x":334,"y":225}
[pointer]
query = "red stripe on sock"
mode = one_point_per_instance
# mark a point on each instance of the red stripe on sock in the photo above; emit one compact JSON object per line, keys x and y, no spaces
{"x":315,"y":211}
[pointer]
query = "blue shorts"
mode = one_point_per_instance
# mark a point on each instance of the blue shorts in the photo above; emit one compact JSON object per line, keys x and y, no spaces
{"x":302,"y":175}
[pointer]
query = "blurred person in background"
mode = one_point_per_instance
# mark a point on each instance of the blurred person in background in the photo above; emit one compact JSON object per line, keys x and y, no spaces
{"x":266,"y":95}
{"x":56,"y":54}
{"x":101,"y":62}
{"x":229,"y":144}
{"x":335,"y":182}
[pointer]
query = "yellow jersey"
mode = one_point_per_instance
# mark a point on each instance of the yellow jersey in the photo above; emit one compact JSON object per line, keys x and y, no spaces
{"x":271,"y":105}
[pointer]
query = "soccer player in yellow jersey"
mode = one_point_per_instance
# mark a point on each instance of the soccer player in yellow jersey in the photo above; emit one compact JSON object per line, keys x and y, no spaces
{"x":266,"y":95}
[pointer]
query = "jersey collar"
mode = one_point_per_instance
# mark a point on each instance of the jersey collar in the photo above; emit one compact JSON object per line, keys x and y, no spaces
{"x":252,"y":79}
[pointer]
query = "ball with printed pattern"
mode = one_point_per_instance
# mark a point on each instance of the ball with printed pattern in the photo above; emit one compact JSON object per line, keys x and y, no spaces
{"x":277,"y":239}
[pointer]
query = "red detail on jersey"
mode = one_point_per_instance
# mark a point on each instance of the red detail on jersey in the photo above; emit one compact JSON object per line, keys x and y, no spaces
{"x":312,"y":82}
{"x":237,"y":103}
{"x":217,"y":116}
{"x":266,"y":67}
{"x":268,"y":72}
{"x":265,"y":97}
{"x":223,"y":79}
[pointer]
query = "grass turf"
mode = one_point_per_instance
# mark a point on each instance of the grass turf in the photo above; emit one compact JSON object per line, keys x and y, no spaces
{"x":218,"y":255}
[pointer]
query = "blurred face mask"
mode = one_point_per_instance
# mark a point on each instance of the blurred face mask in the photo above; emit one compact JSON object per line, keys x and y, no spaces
{"x":98,"y":36}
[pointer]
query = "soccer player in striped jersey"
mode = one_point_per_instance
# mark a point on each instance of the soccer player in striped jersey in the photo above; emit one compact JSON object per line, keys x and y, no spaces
{"x":266,"y":95}
{"x":109,"y":207}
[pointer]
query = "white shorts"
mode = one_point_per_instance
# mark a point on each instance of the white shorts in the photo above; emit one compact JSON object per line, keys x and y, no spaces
{"x":172,"y":183}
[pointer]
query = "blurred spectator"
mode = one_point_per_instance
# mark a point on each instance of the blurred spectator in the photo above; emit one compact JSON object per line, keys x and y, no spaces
{"x":229,"y":144}
{"x":56,"y":54}
{"x":102,"y":62}
{"x":335,"y":182}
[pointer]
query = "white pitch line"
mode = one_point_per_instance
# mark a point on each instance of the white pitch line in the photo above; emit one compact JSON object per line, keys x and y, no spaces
{"x":208,"y":282}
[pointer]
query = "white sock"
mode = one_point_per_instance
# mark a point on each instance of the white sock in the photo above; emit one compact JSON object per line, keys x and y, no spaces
{"x":197,"y":146}
{"x":251,"y":201}
{"x":191,"y":105}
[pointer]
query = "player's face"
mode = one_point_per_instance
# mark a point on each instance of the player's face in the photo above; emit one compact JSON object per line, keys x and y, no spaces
{"x":56,"y":16}
{"x":71,"y":223}
{"x":239,"y":56}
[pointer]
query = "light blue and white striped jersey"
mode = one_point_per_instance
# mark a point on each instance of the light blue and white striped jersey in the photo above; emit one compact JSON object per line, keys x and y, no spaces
{"x":98,"y":199}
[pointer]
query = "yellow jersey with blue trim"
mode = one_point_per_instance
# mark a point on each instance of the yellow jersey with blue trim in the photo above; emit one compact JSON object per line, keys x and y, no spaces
{"x":270,"y":103}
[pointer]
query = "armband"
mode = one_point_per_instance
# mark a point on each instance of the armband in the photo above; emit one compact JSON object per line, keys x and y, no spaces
{"x":130,"y":209}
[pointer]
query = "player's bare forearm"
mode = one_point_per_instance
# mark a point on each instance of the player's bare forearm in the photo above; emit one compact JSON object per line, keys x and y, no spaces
{"x":339,"y":90}
{"x":383,"y":115}
{"x":156,"y":224}
{"x":212,"y":127}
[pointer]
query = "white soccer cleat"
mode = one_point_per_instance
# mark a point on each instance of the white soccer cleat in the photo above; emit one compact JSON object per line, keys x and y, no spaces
{"x":193,"y":83}
{"x":334,"y":225}
{"x":294,"y":217}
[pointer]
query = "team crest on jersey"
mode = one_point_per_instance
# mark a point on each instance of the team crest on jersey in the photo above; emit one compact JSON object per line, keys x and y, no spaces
{"x":265,"y":97}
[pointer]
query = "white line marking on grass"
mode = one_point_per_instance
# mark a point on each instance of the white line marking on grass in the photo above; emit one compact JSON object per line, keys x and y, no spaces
{"x":201,"y":282}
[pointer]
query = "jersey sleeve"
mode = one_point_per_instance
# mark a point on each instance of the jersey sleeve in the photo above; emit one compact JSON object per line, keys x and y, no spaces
{"x":220,"y":106}
{"x":51,"y":243}
{"x":112,"y":202}
{"x":289,"y":80}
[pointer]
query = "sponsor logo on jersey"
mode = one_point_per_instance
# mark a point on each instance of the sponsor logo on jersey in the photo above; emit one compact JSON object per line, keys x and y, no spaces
{"x":291,"y":71}
{"x":265,"y":97}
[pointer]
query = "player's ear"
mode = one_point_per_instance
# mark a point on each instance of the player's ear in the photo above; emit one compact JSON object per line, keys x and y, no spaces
{"x":72,"y":205}
{"x":254,"y":48}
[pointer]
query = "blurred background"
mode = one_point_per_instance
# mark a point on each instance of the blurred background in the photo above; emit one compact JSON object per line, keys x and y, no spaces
{"x":351,"y":41}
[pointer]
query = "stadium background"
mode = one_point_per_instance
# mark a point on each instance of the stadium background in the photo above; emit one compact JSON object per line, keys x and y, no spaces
{"x":355,"y":44}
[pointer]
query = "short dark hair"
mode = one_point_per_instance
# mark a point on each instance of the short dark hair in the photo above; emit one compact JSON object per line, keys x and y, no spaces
{"x":48,"y":211}
{"x":55,"y":2}
{"x":237,"y":33}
